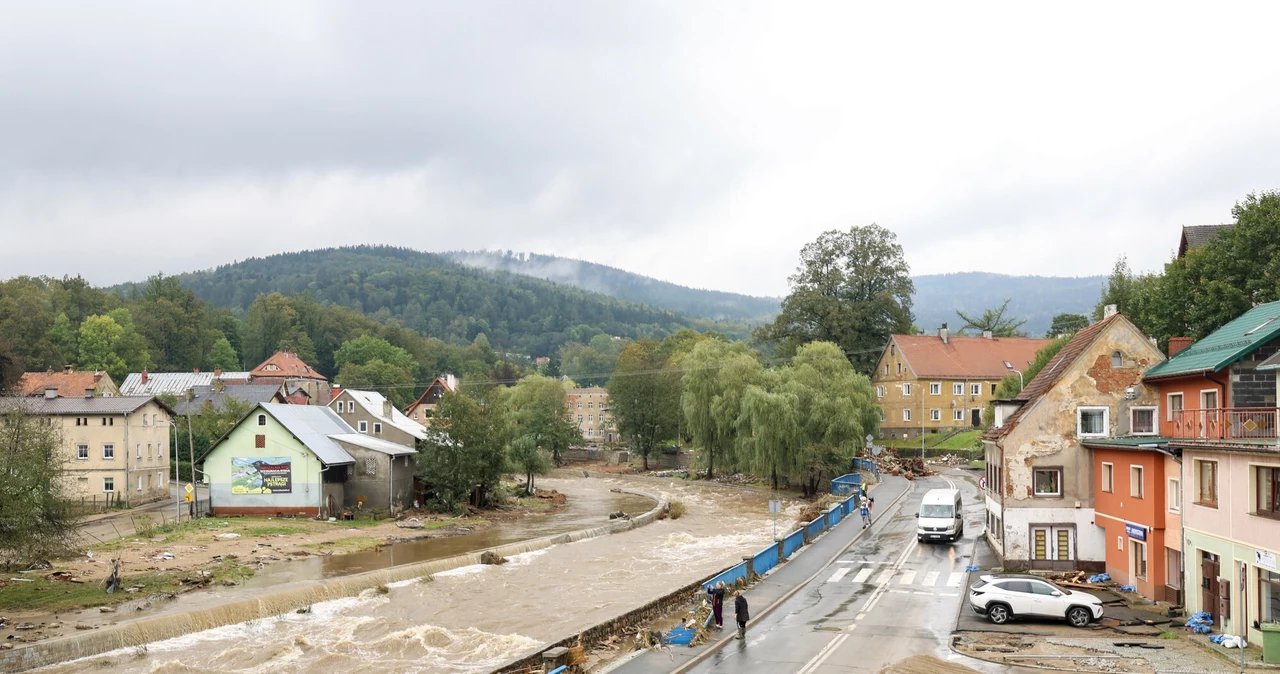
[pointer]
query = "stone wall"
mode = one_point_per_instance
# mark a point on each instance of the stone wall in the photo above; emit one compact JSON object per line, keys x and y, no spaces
{"x":1250,"y":388}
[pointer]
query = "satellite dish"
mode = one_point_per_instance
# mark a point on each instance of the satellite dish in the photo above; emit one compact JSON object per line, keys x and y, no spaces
{"x":875,"y":450}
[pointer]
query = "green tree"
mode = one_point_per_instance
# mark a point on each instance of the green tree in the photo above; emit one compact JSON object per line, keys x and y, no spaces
{"x":35,"y":519}
{"x":99,"y":336}
{"x":716,"y":374}
{"x":464,"y":455}
{"x":993,"y":320}
{"x":364,"y":349}
{"x":392,"y":381}
{"x":222,"y":356}
{"x":131,"y":347}
{"x":537,"y":411}
{"x":851,"y":288}
{"x":65,"y":339}
{"x":835,"y":411}
{"x":767,"y":432}
{"x":644,"y":396}
{"x":10,"y":367}
{"x":1067,"y":324}
{"x":271,"y":323}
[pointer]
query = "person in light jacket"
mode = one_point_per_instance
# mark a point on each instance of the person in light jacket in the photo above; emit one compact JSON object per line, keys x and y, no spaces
{"x":740,"y":611}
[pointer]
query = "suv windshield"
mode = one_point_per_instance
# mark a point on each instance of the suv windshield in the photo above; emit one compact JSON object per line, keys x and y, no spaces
{"x":936,"y":510}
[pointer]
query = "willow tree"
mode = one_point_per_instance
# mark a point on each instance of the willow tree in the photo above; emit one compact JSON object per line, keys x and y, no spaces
{"x":835,"y":410}
{"x":768,"y":435}
{"x":716,"y":375}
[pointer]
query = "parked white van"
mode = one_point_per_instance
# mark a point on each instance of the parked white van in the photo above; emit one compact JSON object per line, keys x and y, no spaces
{"x":940,"y":516}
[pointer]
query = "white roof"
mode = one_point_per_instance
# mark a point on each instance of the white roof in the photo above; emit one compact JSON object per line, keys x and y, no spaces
{"x":173,"y":382}
{"x":374,"y":444}
{"x":373,"y":403}
{"x":314,"y":426}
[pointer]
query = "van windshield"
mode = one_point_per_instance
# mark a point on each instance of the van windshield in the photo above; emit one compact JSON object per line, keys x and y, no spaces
{"x":936,"y":511}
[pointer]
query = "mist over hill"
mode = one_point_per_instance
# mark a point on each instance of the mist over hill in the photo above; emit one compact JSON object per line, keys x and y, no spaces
{"x":1035,"y":298}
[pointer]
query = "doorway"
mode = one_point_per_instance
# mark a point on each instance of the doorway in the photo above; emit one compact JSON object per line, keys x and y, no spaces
{"x":976,"y":416}
{"x":1210,"y":585}
{"x":1053,"y":547}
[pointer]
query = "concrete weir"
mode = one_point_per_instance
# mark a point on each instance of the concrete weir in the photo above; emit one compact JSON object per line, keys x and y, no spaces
{"x":269,"y":604}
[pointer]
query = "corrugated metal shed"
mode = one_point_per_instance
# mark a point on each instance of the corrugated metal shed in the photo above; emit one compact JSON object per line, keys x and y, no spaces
{"x":249,"y":393}
{"x":173,"y":382}
{"x":1226,"y":345}
{"x":87,"y":406}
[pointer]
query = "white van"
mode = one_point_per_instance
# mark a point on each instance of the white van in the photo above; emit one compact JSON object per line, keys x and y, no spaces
{"x":940,"y":516}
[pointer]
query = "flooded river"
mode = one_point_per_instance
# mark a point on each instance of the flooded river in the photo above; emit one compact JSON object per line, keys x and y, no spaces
{"x":475,"y":618}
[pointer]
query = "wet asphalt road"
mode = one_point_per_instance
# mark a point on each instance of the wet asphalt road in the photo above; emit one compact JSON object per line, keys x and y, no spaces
{"x":884,"y":600}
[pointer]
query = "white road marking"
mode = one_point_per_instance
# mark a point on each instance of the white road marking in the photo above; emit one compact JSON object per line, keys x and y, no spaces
{"x":930,"y":579}
{"x":908,"y":577}
{"x":954,"y":579}
{"x":822,"y":655}
{"x":884,"y":576}
{"x":835,"y":577}
{"x":862,"y":575}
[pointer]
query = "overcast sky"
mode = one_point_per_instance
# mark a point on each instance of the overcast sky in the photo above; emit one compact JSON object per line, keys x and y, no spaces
{"x":702,"y":143}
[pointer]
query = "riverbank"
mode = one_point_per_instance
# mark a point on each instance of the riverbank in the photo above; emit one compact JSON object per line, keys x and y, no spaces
{"x":181,"y":559}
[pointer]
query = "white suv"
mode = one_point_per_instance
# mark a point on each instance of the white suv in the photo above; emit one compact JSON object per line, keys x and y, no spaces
{"x":1002,"y":597}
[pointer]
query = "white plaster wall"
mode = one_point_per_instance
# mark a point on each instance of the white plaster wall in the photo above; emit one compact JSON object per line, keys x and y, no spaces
{"x":1090,"y":538}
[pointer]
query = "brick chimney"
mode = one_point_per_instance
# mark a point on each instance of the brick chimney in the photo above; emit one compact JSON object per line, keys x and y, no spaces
{"x":144,"y":377}
{"x":217,"y":372}
{"x":986,"y":334}
{"x":1109,"y":311}
{"x":942,"y":333}
{"x":1177,"y":344}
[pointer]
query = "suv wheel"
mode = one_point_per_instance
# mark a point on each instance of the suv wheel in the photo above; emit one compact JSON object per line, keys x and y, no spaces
{"x":999,"y":614}
{"x":1079,"y":616}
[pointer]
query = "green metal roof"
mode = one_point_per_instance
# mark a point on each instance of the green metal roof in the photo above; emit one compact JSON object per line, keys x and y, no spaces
{"x":1225,"y":346}
{"x":1128,"y":442}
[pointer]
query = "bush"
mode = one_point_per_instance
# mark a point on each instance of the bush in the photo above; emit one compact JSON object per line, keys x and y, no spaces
{"x":676,"y":509}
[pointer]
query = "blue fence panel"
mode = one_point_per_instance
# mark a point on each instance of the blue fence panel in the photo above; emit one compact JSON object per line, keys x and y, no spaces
{"x":815,"y":528}
{"x":791,"y":543}
{"x":846,"y":484}
{"x":765,"y":560}
{"x":729,"y":577}
{"x":834,"y":517}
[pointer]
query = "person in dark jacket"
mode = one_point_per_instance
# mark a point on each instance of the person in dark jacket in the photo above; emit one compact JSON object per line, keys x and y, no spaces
{"x":717,"y":603}
{"x":740,"y":609}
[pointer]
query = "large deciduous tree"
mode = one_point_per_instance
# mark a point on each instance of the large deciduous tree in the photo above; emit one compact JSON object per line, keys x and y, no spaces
{"x":994,"y":321}
{"x":716,"y":374}
{"x":644,"y":397}
{"x":835,"y":411}
{"x":853,"y":289}
{"x":464,"y":454}
{"x":537,"y":411}
{"x":372,"y":362}
{"x":1067,"y":324}
{"x":35,"y":519}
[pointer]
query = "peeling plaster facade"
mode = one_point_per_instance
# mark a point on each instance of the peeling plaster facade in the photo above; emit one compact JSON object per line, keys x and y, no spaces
{"x":1054,"y":526}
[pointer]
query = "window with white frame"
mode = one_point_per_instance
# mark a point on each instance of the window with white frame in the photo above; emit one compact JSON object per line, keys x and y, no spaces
{"x":108,"y":484}
{"x":1206,"y":475}
{"x":957,"y":389}
{"x":1108,"y":477}
{"x":935,"y":415}
{"x":139,"y":454}
{"x":975,"y":389}
{"x":1137,"y":487}
{"x":82,"y":452}
{"x":364,"y":426}
{"x":1138,"y":551}
{"x":957,"y":415}
{"x":906,"y":389}
{"x":109,"y":451}
{"x":1092,"y":421}
{"x":377,"y":428}
{"x":351,"y":406}
{"x":1048,"y":481}
{"x":906,"y":414}
{"x":1174,"y":406}
{"x":935,"y":388}
{"x":139,"y":483}
{"x":1175,"y":495}
{"x":1142,"y":420}
{"x":879,"y":391}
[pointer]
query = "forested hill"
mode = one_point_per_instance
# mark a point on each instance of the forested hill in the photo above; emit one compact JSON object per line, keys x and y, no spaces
{"x":626,"y":285}
{"x":441,"y":298}
{"x":1035,"y":298}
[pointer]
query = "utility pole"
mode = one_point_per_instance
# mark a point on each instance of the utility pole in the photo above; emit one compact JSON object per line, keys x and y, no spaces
{"x":177,"y":477}
{"x":922,"y":425}
{"x":191,"y":453}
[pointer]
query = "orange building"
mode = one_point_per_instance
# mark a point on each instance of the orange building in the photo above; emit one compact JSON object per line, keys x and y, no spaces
{"x":1136,"y":503}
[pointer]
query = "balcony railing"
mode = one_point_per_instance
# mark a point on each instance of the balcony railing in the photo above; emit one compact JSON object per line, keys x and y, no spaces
{"x":1245,"y":424}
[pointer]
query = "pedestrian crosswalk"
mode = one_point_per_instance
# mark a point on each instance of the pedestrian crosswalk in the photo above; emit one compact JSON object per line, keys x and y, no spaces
{"x":878,"y":577}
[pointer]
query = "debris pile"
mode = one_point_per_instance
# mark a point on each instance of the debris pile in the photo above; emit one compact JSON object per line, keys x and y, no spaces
{"x":816,"y":509}
{"x":553,"y":496}
{"x":491,"y":557}
{"x":1200,"y":623}
{"x":908,"y":467}
{"x":951,"y":460}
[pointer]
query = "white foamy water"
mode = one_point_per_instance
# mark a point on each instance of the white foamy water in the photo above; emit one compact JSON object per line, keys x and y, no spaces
{"x":475,"y":618}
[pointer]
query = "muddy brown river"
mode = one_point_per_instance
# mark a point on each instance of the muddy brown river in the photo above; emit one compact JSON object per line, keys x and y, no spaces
{"x":475,"y":618}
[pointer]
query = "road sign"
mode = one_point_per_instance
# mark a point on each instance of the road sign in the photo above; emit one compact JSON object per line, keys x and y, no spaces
{"x":190,"y":488}
{"x":775,"y":507}
{"x":188,"y":498}
{"x":875,"y":450}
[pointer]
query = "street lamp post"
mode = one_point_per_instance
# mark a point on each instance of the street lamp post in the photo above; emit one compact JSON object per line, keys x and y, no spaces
{"x":1021,"y":385}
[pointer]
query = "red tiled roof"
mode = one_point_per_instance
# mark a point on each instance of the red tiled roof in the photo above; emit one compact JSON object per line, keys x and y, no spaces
{"x":286,"y":365}
{"x":69,"y":384}
{"x":967,"y":357}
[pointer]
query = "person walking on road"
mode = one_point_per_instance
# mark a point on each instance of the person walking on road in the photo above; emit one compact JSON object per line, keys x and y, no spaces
{"x":740,"y":611}
{"x":864,"y":509}
{"x":717,"y":603}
